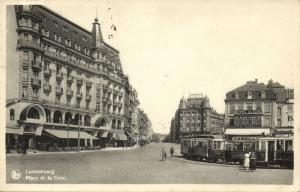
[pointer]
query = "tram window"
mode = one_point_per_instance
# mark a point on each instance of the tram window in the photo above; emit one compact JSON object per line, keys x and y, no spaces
{"x":288,"y":145}
{"x":249,"y":146}
{"x":238,"y":146}
{"x":263,"y":146}
{"x":280,"y":145}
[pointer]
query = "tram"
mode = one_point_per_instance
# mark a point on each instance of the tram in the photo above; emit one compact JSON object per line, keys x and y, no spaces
{"x":278,"y":151}
{"x":204,"y":148}
{"x":268,"y":150}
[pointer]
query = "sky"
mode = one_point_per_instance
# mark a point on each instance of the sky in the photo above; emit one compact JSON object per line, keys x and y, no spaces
{"x":170,"y":49}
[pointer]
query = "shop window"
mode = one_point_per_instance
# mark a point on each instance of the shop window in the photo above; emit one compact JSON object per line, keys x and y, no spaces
{"x":12,"y":114}
{"x":288,"y":145}
{"x":280,"y":145}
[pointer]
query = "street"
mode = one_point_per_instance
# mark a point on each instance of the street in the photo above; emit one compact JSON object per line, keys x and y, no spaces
{"x":137,"y":166}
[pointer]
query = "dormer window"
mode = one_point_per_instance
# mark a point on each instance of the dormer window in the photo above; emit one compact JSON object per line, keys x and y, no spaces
{"x":57,"y":37}
{"x":68,"y":42}
{"x":77,"y":47}
{"x":45,"y":32}
{"x":65,"y":29}
{"x":249,"y":95}
{"x":55,"y":23}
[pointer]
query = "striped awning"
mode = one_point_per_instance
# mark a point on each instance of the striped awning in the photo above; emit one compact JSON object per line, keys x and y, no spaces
{"x":64,"y":134}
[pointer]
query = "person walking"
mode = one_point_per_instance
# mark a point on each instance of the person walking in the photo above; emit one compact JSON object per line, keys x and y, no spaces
{"x":172,"y":151}
{"x":246,"y":161}
{"x":253,"y":161}
{"x":162,"y":153}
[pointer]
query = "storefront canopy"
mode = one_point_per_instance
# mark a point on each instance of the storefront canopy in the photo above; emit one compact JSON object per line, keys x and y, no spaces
{"x":14,"y":131}
{"x":120,"y":136}
{"x":64,"y":134}
{"x":247,"y":131}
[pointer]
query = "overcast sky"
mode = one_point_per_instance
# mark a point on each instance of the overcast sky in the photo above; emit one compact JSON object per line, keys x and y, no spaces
{"x":173,"y":48}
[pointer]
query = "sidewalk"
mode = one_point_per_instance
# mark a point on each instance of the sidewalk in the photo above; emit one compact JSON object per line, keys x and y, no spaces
{"x":32,"y":152}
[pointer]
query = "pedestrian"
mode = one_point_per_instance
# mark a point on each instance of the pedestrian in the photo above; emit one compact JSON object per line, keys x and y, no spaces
{"x":172,"y":151}
{"x":246,"y":160}
{"x":165,"y":153}
{"x":253,"y":161}
{"x":162,"y":154}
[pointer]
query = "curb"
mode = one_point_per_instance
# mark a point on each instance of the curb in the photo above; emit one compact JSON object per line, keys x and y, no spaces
{"x":71,"y":152}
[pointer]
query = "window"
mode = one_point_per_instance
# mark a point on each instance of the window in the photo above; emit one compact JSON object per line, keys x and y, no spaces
{"x":290,"y":118}
{"x":240,"y":106}
{"x":231,"y":109}
{"x":249,"y":95}
{"x":65,"y":29}
{"x":267,"y":121}
{"x":278,"y":110}
{"x":25,"y":75}
{"x":278,"y":122}
{"x":57,"y":99}
{"x":35,"y":94}
{"x":84,"y":38}
{"x":258,"y":106}
{"x":12,"y":114}
{"x":249,"y":106}
{"x":68,"y":42}
{"x":24,"y":92}
{"x":74,"y":33}
{"x":44,"y":18}
{"x":55,"y":23}
{"x":26,"y":55}
{"x":267,"y":108}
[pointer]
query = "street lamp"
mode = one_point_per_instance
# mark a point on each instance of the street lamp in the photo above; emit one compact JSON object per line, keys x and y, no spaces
{"x":68,"y":126}
{"x":79,"y":123}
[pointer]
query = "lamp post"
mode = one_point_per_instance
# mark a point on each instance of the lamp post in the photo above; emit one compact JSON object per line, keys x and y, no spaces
{"x":68,"y":126}
{"x":79,"y":122}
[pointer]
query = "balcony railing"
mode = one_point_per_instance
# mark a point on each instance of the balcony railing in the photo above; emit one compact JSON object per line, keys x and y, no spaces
{"x":59,"y":75}
{"x":69,"y":92}
{"x":36,"y":64}
{"x":59,"y":90}
{"x":79,"y":95}
{"x":47,"y":72}
{"x":36,"y":82}
{"x":29,"y":43}
{"x":47,"y":87}
{"x":248,"y":112}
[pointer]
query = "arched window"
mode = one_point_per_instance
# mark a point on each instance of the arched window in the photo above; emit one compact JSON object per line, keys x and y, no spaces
{"x":113,"y":125}
{"x":33,"y":113}
{"x":12,"y":114}
{"x":103,"y":122}
{"x":57,"y":117}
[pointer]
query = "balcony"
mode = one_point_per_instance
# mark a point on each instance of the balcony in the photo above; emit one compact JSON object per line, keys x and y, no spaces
{"x":47,"y":88}
{"x":79,"y":95}
{"x":70,"y":79}
{"x":88,"y":97}
{"x":69,"y":92}
{"x":47,"y":72}
{"x":59,"y":90}
{"x":36,"y":65}
{"x":29,"y":44}
{"x":35,"y":82}
{"x":246,"y":112}
{"x":59,"y":75}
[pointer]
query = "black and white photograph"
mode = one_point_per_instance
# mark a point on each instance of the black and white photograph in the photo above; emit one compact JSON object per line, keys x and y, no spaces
{"x":176,"y":95}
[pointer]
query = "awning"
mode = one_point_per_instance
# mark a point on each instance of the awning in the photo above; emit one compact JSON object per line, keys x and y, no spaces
{"x":104,"y":134}
{"x":247,"y":131}
{"x":121,"y":137}
{"x":13,"y":131}
{"x":64,"y":134}
{"x":218,"y":136}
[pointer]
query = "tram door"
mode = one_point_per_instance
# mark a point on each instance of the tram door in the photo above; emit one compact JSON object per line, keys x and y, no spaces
{"x":271,"y":149}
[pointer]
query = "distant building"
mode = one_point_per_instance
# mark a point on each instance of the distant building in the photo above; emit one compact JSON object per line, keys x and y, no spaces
{"x":195,"y":116}
{"x":256,"y":110}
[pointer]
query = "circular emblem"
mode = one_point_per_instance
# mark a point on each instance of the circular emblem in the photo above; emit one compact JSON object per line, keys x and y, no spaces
{"x":15,"y":174}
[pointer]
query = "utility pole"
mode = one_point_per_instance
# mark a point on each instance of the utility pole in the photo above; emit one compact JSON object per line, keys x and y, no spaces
{"x":68,"y":124}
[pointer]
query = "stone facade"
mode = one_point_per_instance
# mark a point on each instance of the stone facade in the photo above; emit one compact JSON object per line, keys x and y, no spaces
{"x":195,"y":116}
{"x":260,"y":109}
{"x":64,"y":77}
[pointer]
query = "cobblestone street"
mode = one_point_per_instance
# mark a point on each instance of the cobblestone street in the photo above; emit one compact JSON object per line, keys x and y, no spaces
{"x":135,"y":166}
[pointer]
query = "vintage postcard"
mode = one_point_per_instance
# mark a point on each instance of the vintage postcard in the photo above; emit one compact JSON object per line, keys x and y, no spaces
{"x":115,"y":95}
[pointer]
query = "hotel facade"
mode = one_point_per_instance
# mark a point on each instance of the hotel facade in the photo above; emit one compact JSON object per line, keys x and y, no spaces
{"x":255,"y":110}
{"x":64,"y":83}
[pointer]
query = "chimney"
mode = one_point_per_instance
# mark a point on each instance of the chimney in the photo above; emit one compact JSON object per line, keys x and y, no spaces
{"x":255,"y":81}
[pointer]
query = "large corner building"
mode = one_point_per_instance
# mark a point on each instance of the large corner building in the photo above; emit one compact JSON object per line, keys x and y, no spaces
{"x":63,"y":82}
